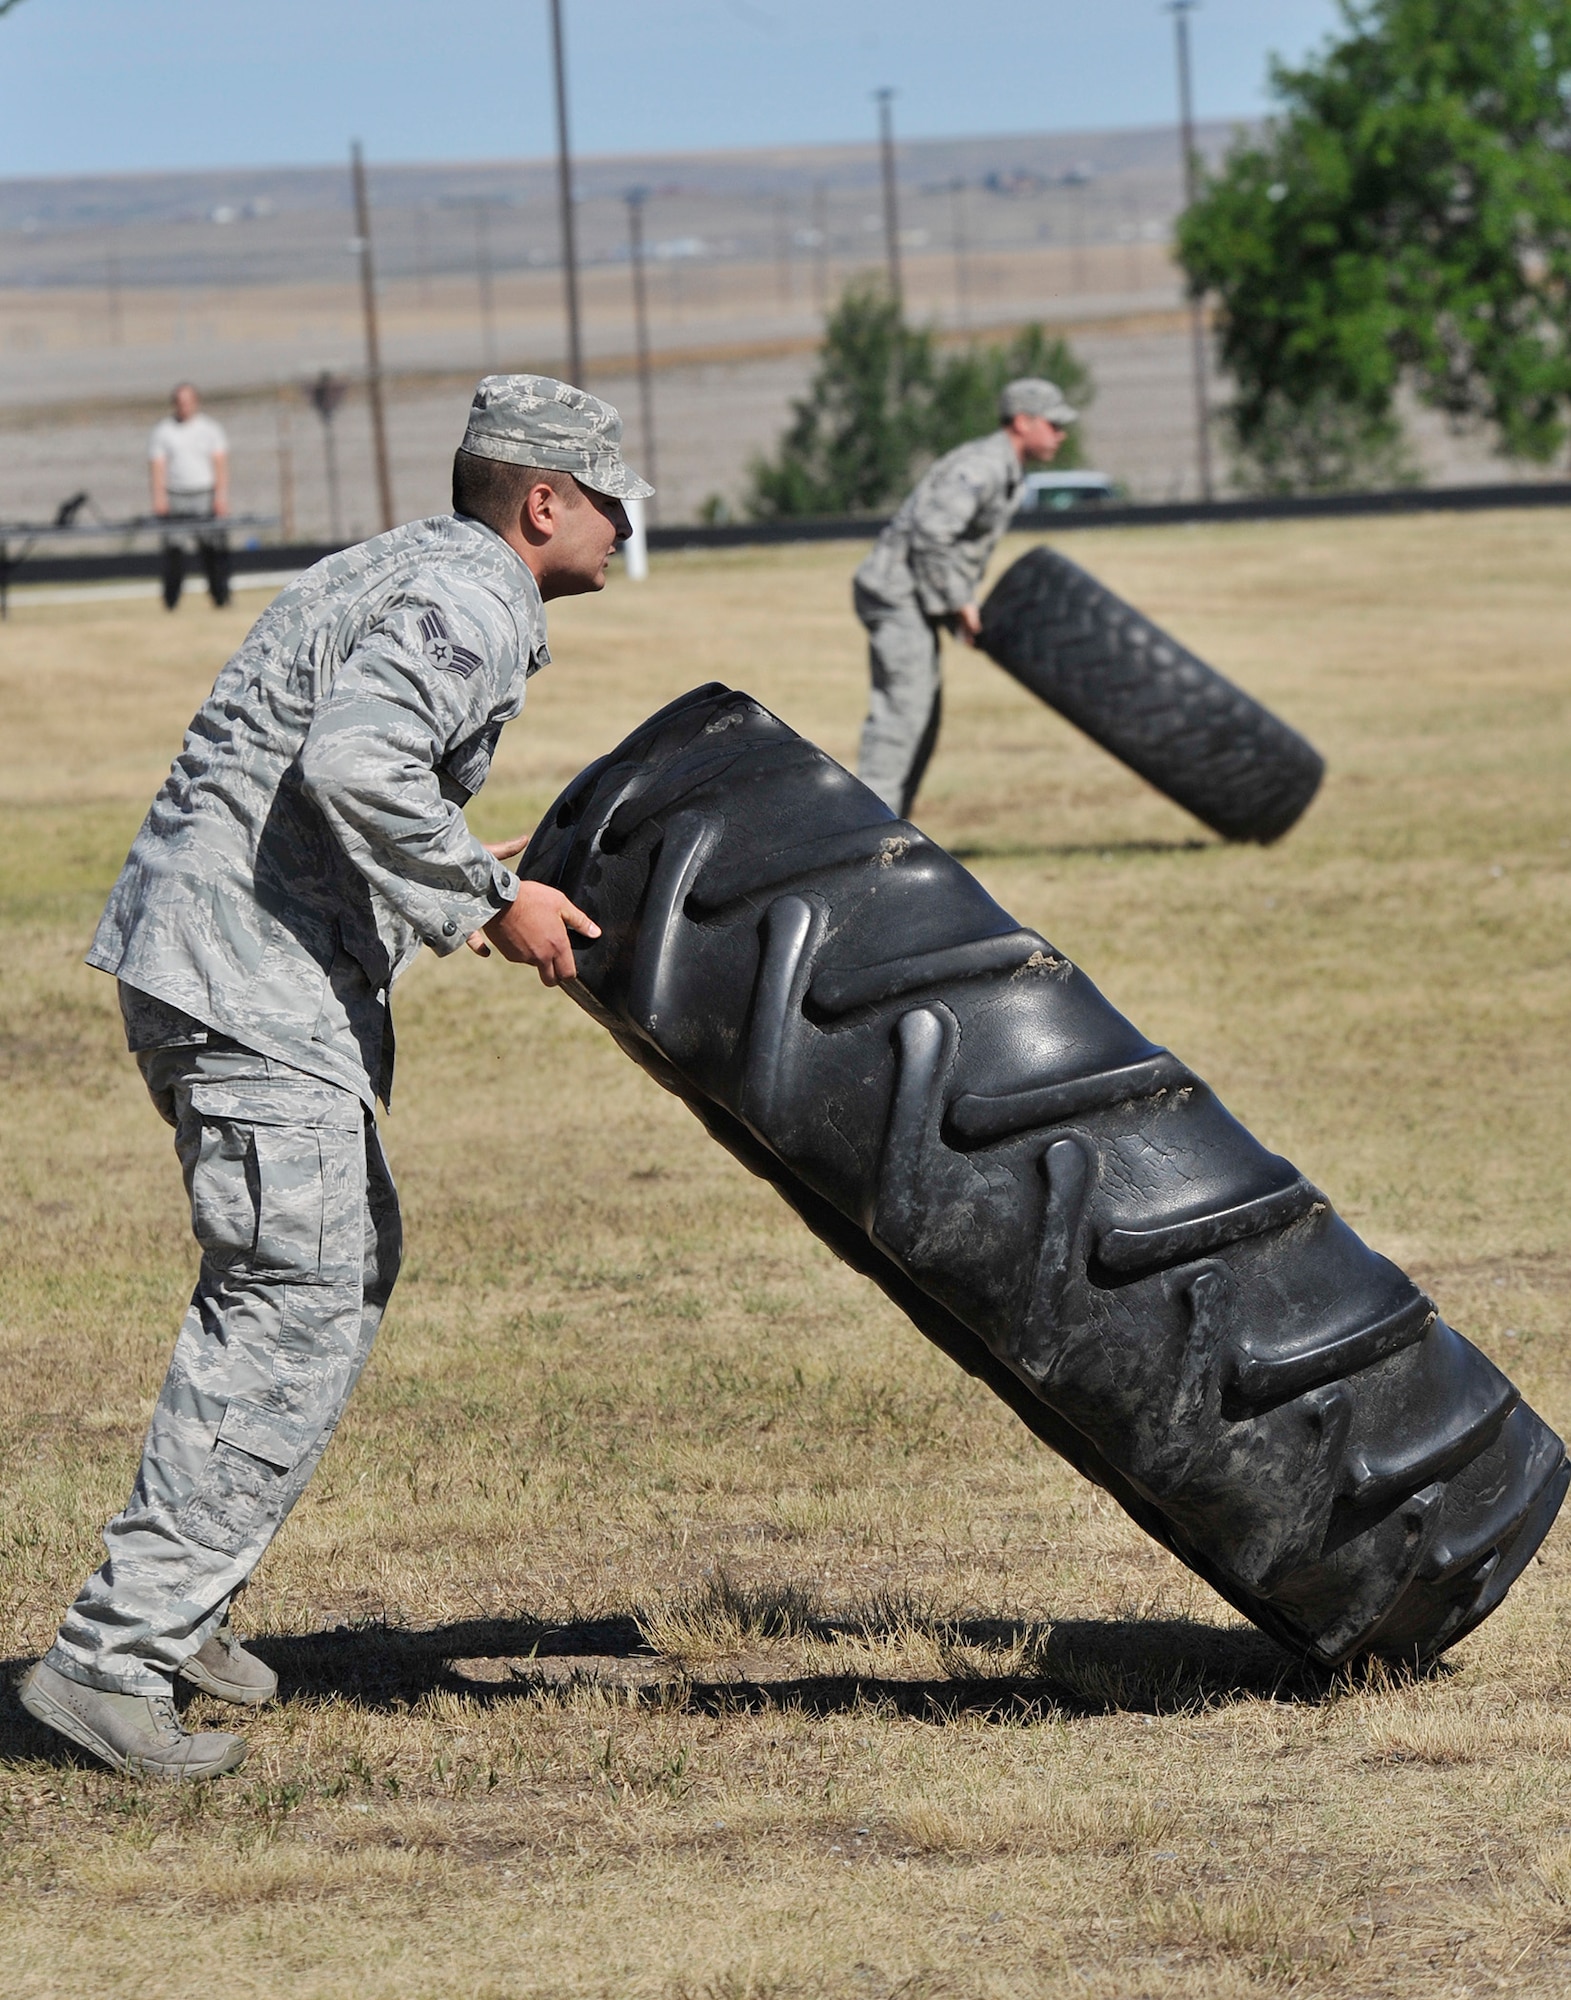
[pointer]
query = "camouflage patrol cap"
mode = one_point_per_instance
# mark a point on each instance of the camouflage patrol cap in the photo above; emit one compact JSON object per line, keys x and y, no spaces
{"x":1035,"y":396}
{"x":535,"y":420}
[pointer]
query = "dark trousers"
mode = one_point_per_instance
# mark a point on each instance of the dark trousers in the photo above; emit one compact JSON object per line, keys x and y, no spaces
{"x":210,"y":542}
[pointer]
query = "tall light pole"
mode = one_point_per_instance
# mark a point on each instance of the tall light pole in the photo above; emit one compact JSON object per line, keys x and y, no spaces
{"x":1077,"y":210}
{"x":327,"y":392}
{"x":483,"y":282}
{"x":373,"y":345}
{"x":646,"y":396}
{"x":886,"y":148}
{"x":1180,"y":11}
{"x":820,"y":246}
{"x":423,"y":253}
{"x":112,"y":289}
{"x":564,"y":181}
{"x":782,"y":253}
{"x":286,"y":464}
{"x":957,"y":219}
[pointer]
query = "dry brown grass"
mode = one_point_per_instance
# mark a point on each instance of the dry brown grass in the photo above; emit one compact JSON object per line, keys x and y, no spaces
{"x":667,"y":1619}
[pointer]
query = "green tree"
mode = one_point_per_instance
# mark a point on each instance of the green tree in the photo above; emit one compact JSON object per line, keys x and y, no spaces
{"x":1405,"y":219}
{"x":852,"y":437}
{"x":883,"y":402}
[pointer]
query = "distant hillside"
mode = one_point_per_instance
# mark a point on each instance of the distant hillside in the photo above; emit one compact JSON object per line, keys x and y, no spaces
{"x":263,"y":225}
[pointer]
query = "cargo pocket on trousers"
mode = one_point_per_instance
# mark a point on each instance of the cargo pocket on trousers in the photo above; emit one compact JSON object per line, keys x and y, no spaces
{"x":289,"y":1199}
{"x":241,"y":1487}
{"x":224,"y":1190}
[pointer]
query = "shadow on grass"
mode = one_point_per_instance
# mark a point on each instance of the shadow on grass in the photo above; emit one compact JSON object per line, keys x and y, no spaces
{"x":1081,"y":1667}
{"x":1106,"y":850}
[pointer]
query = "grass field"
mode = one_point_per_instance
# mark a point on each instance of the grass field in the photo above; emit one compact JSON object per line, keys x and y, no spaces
{"x":668,"y":1619}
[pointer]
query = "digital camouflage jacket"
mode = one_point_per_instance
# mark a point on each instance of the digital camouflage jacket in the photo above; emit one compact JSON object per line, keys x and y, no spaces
{"x":937,"y":547}
{"x":310,"y":836}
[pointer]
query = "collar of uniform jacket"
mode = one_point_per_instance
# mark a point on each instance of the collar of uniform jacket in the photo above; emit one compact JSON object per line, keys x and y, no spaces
{"x":512,"y":579}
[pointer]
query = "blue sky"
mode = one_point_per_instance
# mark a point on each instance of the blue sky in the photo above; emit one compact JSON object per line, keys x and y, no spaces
{"x":105,"y":85}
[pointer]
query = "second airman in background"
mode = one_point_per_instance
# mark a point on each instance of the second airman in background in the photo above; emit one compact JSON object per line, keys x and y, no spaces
{"x":924,"y":573}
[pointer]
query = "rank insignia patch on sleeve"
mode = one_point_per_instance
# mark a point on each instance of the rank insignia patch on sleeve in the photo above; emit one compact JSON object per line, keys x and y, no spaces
{"x":438,"y":649}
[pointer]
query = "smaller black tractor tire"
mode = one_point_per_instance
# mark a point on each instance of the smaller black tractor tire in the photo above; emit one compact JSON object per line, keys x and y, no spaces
{"x":1060,"y":1205}
{"x":1141,"y":695}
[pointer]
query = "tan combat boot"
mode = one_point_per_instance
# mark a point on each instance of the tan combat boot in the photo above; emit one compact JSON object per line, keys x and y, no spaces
{"x":139,"y":1733}
{"x":224,"y":1669}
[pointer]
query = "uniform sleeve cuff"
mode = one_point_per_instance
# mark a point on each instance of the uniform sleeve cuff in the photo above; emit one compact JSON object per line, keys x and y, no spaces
{"x":461,"y":919}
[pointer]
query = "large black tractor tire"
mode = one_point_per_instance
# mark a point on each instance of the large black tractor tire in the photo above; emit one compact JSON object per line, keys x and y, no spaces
{"x":1063,"y":1207}
{"x":1140,"y":694}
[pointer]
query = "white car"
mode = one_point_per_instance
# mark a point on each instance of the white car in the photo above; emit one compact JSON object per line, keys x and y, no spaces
{"x":1051,"y":492}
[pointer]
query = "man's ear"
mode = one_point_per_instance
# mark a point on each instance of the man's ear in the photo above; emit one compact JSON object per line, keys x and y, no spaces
{"x":541,"y":507}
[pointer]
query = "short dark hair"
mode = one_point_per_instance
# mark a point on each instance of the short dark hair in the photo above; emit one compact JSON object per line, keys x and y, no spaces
{"x":493,"y":489}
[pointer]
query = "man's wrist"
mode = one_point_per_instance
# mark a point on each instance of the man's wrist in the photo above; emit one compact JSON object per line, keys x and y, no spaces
{"x":503,"y":886}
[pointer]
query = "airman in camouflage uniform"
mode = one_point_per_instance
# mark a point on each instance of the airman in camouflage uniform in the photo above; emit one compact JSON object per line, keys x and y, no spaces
{"x":308,"y":840}
{"x":923,"y":576}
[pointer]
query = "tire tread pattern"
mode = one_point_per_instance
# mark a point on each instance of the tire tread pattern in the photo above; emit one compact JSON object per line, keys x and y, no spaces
{"x":1141,"y":695}
{"x":1061,"y":1206}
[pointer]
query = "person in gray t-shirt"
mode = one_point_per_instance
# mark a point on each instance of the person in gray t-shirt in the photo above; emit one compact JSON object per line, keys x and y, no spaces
{"x":188,"y":474}
{"x":923,"y":576}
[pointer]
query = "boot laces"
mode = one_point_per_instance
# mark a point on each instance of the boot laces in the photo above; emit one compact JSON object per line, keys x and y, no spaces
{"x":167,"y":1725}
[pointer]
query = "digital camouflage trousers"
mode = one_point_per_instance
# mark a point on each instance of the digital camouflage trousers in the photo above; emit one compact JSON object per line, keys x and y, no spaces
{"x":297,"y":1220}
{"x":905,"y":701}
